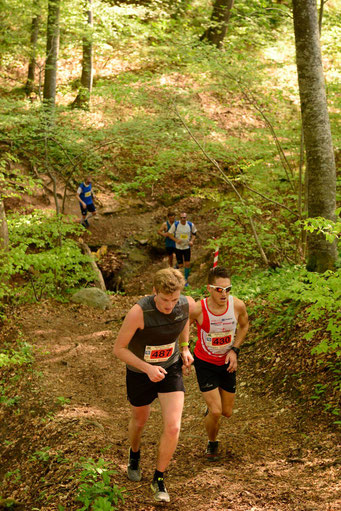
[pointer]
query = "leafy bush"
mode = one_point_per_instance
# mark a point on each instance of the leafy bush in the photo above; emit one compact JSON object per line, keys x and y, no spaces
{"x":96,"y":491}
{"x":317,"y":297}
{"x":20,"y":356}
{"x":43,"y":253}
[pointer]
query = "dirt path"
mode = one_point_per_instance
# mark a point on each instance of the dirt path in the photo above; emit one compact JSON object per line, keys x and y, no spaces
{"x":271,"y":459}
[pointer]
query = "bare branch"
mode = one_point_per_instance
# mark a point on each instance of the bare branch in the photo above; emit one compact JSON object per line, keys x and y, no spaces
{"x":225,"y":178}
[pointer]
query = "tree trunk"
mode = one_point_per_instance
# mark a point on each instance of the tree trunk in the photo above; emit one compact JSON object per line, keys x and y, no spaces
{"x":220,"y":16}
{"x":83,"y":98}
{"x":321,"y":174}
{"x":4,"y":241}
{"x":32,"y":64}
{"x":52,"y":46}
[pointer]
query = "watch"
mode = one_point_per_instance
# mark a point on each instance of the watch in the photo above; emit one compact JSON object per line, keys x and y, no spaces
{"x":236,"y":350}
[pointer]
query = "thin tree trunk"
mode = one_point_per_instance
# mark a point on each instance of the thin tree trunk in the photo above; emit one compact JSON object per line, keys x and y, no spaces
{"x":52,"y":47}
{"x":32,"y":63}
{"x":321,"y":174}
{"x":83,"y":98}
{"x":4,"y":240}
{"x":219,"y":20}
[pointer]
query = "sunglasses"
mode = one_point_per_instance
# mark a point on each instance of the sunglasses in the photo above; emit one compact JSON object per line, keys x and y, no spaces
{"x":221,"y":289}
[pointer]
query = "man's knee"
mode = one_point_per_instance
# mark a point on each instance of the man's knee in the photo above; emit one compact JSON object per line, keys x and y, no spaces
{"x":172,"y":430}
{"x":227,"y":412}
{"x":215,"y":413}
{"x":139,"y":420}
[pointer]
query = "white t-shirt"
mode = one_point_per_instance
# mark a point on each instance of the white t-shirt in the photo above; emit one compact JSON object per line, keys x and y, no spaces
{"x":183,"y":234}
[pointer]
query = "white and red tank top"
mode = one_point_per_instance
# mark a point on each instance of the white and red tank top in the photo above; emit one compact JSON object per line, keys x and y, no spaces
{"x":216,"y":334}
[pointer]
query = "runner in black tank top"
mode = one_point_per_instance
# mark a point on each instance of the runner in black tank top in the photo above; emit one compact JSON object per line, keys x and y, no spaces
{"x":153,"y":342}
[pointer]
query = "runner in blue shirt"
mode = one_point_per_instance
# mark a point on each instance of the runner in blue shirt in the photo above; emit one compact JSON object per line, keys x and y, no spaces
{"x":85,"y":197}
{"x":170,"y":244}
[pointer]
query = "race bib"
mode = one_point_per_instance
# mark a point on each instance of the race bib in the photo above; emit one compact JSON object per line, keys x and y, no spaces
{"x":159,"y":353}
{"x":183,"y":236}
{"x":87,"y":194}
{"x":219,"y":342}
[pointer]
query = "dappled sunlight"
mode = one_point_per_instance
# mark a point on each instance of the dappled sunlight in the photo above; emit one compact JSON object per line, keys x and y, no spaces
{"x":79,"y":411}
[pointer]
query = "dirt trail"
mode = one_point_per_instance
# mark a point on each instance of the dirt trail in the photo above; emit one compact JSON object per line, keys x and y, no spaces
{"x":73,"y":403}
{"x":271,"y":460}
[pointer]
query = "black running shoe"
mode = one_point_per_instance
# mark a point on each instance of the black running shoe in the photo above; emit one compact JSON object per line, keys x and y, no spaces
{"x":211,"y":453}
{"x":160,"y":490}
{"x":133,"y":469}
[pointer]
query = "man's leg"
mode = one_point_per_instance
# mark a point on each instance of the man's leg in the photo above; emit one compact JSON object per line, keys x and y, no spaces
{"x":187,"y":259}
{"x":90,"y":212}
{"x":214,"y":405}
{"x":179,"y":258}
{"x":227,"y":400}
{"x":171,"y":406}
{"x":187,"y":270}
{"x":84,"y":212}
{"x":139,"y":417}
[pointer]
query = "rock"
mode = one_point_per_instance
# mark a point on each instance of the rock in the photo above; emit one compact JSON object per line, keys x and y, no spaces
{"x":93,"y":297}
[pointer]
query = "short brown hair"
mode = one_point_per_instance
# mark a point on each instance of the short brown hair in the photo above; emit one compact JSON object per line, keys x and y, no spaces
{"x":168,"y":281}
{"x":170,"y":213}
{"x":218,"y":272}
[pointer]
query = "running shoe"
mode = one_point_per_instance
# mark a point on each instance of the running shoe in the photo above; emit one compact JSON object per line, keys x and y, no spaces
{"x":133,"y":469}
{"x":211,"y":453}
{"x":160,"y":491}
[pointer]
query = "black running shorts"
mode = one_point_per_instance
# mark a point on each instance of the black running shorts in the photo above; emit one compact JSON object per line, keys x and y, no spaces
{"x":89,"y":208}
{"x":182,"y":255}
{"x":170,"y":250}
{"x":141,"y":391}
{"x":211,"y":376}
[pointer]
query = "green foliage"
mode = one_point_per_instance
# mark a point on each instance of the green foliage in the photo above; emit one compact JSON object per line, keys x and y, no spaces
{"x":61,"y":400}
{"x":12,"y":181}
{"x":96,"y":491}
{"x":21,"y":354}
{"x":44,"y":254}
{"x":42,"y":454}
{"x":316,"y":295}
{"x":331,"y":230}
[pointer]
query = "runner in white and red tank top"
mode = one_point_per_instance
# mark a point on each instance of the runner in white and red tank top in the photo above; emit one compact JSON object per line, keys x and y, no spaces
{"x":222,"y":323}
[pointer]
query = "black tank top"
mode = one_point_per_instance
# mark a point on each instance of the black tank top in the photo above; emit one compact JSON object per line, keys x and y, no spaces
{"x":158,"y":343}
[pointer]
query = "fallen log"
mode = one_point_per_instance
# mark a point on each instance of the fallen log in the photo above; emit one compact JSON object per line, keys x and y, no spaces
{"x":99,"y":280}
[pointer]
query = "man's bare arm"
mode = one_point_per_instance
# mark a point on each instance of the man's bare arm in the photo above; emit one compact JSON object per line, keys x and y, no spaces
{"x":132,"y":322}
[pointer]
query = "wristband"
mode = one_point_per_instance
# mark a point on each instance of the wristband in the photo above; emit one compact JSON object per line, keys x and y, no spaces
{"x":183,"y":344}
{"x":236,"y":350}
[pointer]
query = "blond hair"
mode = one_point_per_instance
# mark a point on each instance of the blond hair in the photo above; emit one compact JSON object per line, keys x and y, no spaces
{"x":168,"y":281}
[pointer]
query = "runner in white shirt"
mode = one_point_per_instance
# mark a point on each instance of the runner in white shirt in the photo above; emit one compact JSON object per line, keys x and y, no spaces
{"x":183,"y":233}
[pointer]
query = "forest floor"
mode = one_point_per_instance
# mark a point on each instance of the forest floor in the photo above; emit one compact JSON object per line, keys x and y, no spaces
{"x":73,"y":405}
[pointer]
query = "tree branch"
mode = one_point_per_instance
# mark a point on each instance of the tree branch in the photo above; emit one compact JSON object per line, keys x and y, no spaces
{"x":225,"y":178}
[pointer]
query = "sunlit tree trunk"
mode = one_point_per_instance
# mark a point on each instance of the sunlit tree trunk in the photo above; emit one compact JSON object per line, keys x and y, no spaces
{"x":52,"y":46}
{"x":321,"y":174}
{"x":32,"y":63}
{"x":4,"y":242}
{"x":220,"y":16}
{"x":83,"y":98}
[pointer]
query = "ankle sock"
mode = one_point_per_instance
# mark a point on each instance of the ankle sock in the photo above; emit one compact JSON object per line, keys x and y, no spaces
{"x":134,"y":455}
{"x":157,"y":474}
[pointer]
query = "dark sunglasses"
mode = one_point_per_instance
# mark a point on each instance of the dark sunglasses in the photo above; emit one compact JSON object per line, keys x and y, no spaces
{"x":221,"y":289}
